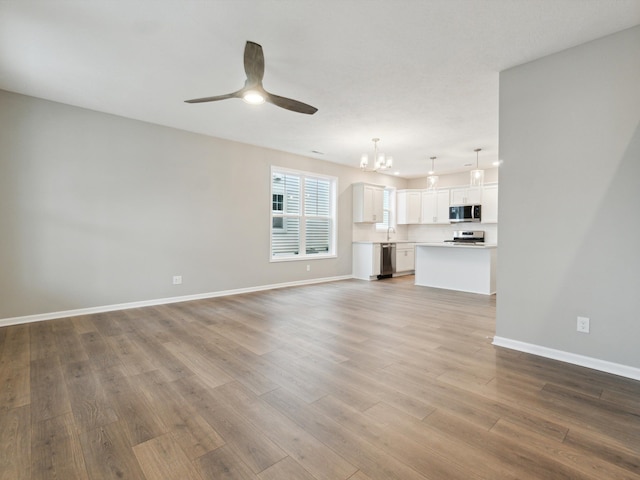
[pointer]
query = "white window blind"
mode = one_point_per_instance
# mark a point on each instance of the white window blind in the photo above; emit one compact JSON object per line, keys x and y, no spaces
{"x":386,"y":212}
{"x":302,"y":215}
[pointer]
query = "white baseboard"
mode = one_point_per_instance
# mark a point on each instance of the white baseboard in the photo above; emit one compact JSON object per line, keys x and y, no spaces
{"x":575,"y":359}
{"x":161,"y":301}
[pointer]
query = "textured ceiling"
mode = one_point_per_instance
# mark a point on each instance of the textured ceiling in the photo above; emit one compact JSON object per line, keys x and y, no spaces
{"x":421,"y":75}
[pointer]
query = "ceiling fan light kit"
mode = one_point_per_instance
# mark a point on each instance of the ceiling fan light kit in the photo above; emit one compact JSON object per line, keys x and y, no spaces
{"x":253,"y":92}
{"x":253,"y":98}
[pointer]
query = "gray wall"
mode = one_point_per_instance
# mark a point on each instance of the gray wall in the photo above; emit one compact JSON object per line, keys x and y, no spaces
{"x":98,"y":210}
{"x":570,"y":199}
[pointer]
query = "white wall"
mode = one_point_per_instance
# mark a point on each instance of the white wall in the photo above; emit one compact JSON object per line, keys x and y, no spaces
{"x":98,"y":210}
{"x":569,"y":200}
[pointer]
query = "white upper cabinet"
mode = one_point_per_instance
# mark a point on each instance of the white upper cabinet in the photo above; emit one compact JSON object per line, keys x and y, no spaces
{"x":466,"y":196}
{"x":408,"y":206}
{"x":368,"y":203}
{"x":435,"y":206}
{"x":489,"y":203}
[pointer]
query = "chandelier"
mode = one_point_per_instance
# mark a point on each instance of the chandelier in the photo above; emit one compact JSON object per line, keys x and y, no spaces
{"x":380,"y":162}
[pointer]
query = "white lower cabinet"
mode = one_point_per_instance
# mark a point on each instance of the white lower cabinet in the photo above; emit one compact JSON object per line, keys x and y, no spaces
{"x":405,"y":257}
{"x":366,"y":260}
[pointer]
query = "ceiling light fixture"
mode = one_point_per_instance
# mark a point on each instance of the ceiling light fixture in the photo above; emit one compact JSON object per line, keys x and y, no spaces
{"x":253,"y":97}
{"x":380,"y":162}
{"x":432,"y":180}
{"x":477,"y":175}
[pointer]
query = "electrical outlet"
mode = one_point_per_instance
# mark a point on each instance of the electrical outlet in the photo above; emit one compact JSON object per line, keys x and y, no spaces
{"x":177,"y":279}
{"x":308,"y":268}
{"x":583,"y":324}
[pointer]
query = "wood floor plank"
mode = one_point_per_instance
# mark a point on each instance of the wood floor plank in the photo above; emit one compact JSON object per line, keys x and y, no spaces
{"x":108,"y":454}
{"x":286,"y":469}
{"x":529,"y":462}
{"x":198,"y":364}
{"x":431,"y":459}
{"x":69,"y":346}
{"x":15,"y":444}
{"x":162,"y":459}
{"x":100,"y":354}
{"x":225,"y":464}
{"x":49,"y":395}
{"x":303,"y":448}
{"x":249,"y":442}
{"x":15,"y":386}
{"x":194,"y":435}
{"x":56,"y":450}
{"x":42,"y":341}
{"x":88,"y":400}
{"x":582,"y":462}
{"x":372,"y":460}
{"x":613,"y":451}
{"x":133,"y":359}
{"x":142,"y":422}
{"x":15,"y":371}
{"x":453,"y":449}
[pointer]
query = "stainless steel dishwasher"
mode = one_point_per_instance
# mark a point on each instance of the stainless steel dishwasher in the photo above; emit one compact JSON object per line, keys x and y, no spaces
{"x":387,"y":260}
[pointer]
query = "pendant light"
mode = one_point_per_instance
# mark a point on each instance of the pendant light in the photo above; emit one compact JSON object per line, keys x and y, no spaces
{"x":477,"y":175}
{"x":432,"y":179}
{"x":380,"y":162}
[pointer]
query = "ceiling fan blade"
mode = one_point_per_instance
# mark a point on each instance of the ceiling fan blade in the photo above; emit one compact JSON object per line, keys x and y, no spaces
{"x":253,"y":63}
{"x":290,"y":104}
{"x":213,"y":99}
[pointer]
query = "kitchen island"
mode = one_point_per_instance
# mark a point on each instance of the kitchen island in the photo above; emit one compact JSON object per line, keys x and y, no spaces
{"x":466,"y":268}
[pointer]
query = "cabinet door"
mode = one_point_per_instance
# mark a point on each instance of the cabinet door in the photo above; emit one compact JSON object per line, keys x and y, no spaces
{"x":429,"y":207}
{"x":458,"y":196}
{"x":442,"y":206}
{"x":375,"y":261}
{"x":405,"y":259}
{"x":490,"y":204}
{"x":377,"y":204}
{"x":466,"y":196}
{"x":368,"y":203}
{"x":435,"y":206}
{"x":409,"y":208}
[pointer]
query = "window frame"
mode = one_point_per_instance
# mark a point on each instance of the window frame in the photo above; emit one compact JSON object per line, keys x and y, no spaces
{"x":302,"y":217}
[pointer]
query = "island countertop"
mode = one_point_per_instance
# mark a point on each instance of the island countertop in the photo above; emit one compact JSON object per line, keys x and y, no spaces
{"x":455,"y":245}
{"x":466,"y":268}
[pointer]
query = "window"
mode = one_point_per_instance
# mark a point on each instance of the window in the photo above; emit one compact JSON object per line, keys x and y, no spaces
{"x":302,"y":215}
{"x":388,"y":201}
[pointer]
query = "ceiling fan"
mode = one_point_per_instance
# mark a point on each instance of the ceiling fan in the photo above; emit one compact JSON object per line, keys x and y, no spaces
{"x":253,"y":91}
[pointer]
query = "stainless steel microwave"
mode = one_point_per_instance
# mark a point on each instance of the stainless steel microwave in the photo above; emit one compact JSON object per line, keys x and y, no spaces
{"x":464,"y":213}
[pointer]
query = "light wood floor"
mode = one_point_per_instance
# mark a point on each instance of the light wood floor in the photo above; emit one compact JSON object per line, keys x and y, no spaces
{"x":346,"y":380}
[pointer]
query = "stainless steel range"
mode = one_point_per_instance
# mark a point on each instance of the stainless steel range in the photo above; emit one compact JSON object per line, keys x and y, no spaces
{"x":467,"y":237}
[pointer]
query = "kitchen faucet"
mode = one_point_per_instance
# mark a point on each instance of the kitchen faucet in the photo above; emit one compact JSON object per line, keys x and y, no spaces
{"x":388,"y":234}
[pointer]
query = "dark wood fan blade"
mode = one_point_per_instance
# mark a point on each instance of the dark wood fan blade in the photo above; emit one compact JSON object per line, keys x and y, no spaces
{"x":253,"y":63}
{"x":213,"y":99}
{"x":290,"y":104}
